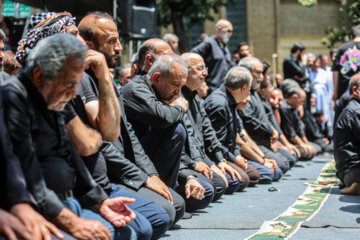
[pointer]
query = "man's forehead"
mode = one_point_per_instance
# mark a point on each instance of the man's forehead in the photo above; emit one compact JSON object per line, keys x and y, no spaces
{"x":104,"y":26}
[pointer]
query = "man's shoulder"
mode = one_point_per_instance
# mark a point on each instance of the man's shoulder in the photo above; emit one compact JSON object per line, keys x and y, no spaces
{"x":216,"y":99}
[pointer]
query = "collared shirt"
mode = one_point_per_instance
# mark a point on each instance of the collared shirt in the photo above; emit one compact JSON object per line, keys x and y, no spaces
{"x":255,"y":120}
{"x":347,"y":138}
{"x":217,"y":58}
{"x":200,"y":132}
{"x":145,"y":111}
{"x":49,"y":161}
{"x":290,"y":121}
{"x":221,"y":109}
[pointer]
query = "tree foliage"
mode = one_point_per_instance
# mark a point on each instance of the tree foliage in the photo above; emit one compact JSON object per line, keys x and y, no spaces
{"x":196,"y":11}
{"x":349,"y":11}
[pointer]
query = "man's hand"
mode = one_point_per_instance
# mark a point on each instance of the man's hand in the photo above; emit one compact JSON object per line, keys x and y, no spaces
{"x":305,"y":147}
{"x":276,"y":146}
{"x":36,"y":224}
{"x":312,"y":149}
{"x":204,"y":169}
{"x":241,"y":162}
{"x":116,"y":211}
{"x":179,"y":101}
{"x":228,"y":169}
{"x":11,"y":227}
{"x":326,"y":140}
{"x":275,"y":136}
{"x":270,"y":164}
{"x":216,"y":170}
{"x":97,"y":62}
{"x":291,"y":148}
{"x":81,"y":228}
{"x":154,"y":183}
{"x":335,"y":96}
{"x":194,"y":189}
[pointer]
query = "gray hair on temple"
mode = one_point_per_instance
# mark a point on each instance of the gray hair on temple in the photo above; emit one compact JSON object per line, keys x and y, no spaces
{"x":165,"y":63}
{"x":237,"y":77}
{"x":51,"y":54}
{"x":248,"y":63}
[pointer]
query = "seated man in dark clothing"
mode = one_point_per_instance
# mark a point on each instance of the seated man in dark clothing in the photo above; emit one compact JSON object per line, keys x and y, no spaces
{"x":255,"y":120}
{"x":292,"y":125}
{"x":322,"y":125}
{"x":53,"y":170}
{"x":202,"y":147}
{"x":128,"y":165}
{"x":221,"y":107}
{"x":314,"y":135}
{"x":347,"y":141}
{"x":21,"y":220}
{"x":341,"y":104}
{"x":155,"y":109}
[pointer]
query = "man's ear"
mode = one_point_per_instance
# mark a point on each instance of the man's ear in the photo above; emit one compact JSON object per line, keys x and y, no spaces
{"x":90,"y":44}
{"x":155,"y":78}
{"x":38,"y":78}
{"x":149,"y":59}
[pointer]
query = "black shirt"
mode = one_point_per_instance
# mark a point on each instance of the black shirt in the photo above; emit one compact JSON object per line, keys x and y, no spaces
{"x":221,"y":109}
{"x":200,"y":133}
{"x":255,"y":120}
{"x":292,"y":67}
{"x":49,"y":161}
{"x":144,"y":110}
{"x":12,"y":181}
{"x":290,"y":121}
{"x":347,"y":63}
{"x":347,"y":138}
{"x":217,"y":58}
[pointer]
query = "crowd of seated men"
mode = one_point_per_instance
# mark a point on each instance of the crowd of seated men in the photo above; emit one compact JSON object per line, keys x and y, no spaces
{"x":83,"y":158}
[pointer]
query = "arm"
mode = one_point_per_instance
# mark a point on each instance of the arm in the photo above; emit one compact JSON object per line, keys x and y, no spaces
{"x":86,"y":140}
{"x":247,"y":151}
{"x":142,"y":105}
{"x":104,"y":115}
{"x":252,"y":144}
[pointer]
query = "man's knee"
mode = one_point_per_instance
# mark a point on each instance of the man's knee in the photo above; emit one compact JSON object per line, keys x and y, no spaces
{"x":193,"y":204}
{"x":141,"y":226}
{"x":233,"y":185}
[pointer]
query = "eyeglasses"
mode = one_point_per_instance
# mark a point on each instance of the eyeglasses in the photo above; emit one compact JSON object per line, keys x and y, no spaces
{"x":202,"y":68}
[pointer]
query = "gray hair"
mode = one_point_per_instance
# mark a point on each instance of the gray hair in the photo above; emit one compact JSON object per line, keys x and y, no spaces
{"x":168,"y":36}
{"x":164,"y":65}
{"x":2,"y":35}
{"x":237,"y":77}
{"x":51,"y":54}
{"x":293,"y":91}
{"x":249,"y":63}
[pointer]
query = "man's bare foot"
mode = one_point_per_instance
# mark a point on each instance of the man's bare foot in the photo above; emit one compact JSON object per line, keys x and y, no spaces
{"x":354,"y":189}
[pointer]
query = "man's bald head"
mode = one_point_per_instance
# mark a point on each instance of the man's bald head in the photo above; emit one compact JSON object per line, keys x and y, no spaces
{"x":150,"y":50}
{"x":223,"y":30}
{"x":197,"y":70}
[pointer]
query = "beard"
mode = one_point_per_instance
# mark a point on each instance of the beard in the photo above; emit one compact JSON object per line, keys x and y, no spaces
{"x":224,"y":37}
{"x":110,"y":60}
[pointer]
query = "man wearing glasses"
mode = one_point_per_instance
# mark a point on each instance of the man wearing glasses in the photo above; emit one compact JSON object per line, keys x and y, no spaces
{"x":216,"y":54}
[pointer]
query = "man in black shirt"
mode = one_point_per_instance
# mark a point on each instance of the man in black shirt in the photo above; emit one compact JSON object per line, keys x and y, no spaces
{"x":347,"y":141}
{"x":344,"y":65}
{"x":22,"y":219}
{"x":128,"y":164}
{"x":53,"y":170}
{"x":155,"y":108}
{"x":292,"y":65}
{"x":216,"y":54}
{"x":202,"y":149}
{"x":292,"y":125}
{"x":255,"y":120}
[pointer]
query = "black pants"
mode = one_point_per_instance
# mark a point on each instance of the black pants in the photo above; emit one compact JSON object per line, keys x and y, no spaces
{"x":164,"y":147}
{"x":176,"y":211}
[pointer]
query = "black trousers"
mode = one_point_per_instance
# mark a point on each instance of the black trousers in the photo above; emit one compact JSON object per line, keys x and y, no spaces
{"x":282,"y":162}
{"x":164,"y":147}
